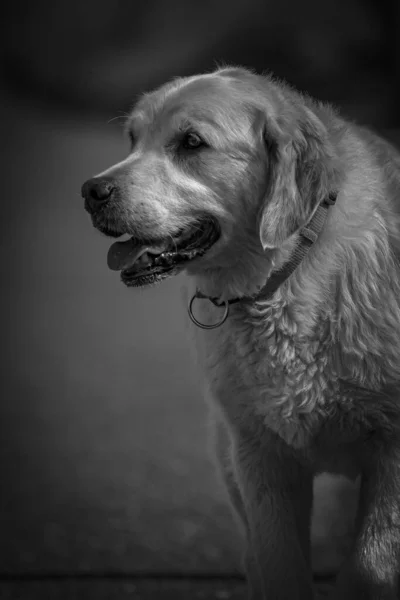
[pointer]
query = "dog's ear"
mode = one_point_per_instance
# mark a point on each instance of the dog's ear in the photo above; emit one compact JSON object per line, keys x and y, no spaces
{"x":300,"y":175}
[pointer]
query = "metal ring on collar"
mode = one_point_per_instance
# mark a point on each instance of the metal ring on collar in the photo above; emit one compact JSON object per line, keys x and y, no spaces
{"x":203,"y":325}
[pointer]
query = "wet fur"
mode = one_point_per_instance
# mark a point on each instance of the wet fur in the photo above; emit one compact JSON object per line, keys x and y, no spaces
{"x":308,"y":381}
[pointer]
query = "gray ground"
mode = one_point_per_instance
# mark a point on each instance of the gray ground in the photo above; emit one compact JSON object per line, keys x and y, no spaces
{"x":103,"y":458}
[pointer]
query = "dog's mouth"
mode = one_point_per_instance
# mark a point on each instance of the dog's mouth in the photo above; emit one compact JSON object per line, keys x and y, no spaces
{"x":143,"y":262}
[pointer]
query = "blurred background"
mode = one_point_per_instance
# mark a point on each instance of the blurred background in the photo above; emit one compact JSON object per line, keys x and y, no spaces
{"x":104,"y":466}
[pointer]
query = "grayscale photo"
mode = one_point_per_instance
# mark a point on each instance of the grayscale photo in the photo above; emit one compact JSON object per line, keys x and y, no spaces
{"x":201,"y":300}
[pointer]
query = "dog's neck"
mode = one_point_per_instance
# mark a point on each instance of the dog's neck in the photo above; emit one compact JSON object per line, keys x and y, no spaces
{"x":260,"y":279}
{"x":247,"y":278}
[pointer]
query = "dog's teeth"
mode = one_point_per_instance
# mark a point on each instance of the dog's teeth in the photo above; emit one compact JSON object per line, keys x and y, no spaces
{"x":164,"y":259}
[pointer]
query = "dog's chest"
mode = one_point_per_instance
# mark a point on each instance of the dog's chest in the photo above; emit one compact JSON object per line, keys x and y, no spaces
{"x":266,"y":365}
{"x":274,"y":368}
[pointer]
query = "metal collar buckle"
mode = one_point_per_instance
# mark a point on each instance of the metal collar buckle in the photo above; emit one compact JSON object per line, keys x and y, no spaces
{"x":216,"y":302}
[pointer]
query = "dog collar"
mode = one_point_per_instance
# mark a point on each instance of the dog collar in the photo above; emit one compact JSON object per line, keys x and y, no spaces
{"x":308,"y":235}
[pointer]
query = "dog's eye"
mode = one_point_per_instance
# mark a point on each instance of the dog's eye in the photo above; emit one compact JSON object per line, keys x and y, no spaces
{"x":191,"y":141}
{"x":132,"y":139}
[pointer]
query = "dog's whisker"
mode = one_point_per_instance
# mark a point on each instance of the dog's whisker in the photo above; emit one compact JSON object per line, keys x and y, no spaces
{"x":173,"y":242}
{"x":122,"y":117}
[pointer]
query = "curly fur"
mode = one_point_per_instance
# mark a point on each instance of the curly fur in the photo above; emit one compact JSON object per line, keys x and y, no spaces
{"x":319,"y":363}
{"x":308,"y":381}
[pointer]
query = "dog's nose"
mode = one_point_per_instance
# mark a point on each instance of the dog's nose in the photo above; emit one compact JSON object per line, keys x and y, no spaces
{"x":97,"y":191}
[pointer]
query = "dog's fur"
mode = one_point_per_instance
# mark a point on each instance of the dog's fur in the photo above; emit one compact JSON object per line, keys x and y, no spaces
{"x":308,"y":381}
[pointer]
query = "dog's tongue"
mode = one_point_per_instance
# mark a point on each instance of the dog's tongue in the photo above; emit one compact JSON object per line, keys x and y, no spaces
{"x":123,"y":255}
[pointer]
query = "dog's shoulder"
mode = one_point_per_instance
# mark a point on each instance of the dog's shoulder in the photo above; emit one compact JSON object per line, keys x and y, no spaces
{"x":383,"y":175}
{"x":386,"y":157}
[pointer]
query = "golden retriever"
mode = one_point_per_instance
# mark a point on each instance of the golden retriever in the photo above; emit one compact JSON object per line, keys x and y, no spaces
{"x":287,"y":217}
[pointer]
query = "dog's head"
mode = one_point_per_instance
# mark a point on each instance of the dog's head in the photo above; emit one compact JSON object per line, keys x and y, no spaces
{"x":224,"y":168}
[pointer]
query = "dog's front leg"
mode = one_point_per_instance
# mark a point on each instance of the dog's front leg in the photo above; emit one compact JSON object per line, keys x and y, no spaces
{"x":371,"y":571}
{"x":223,"y":454}
{"x":277,"y":495}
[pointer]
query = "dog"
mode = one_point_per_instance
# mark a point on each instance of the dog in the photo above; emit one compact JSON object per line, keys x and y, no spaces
{"x":287,"y":218}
